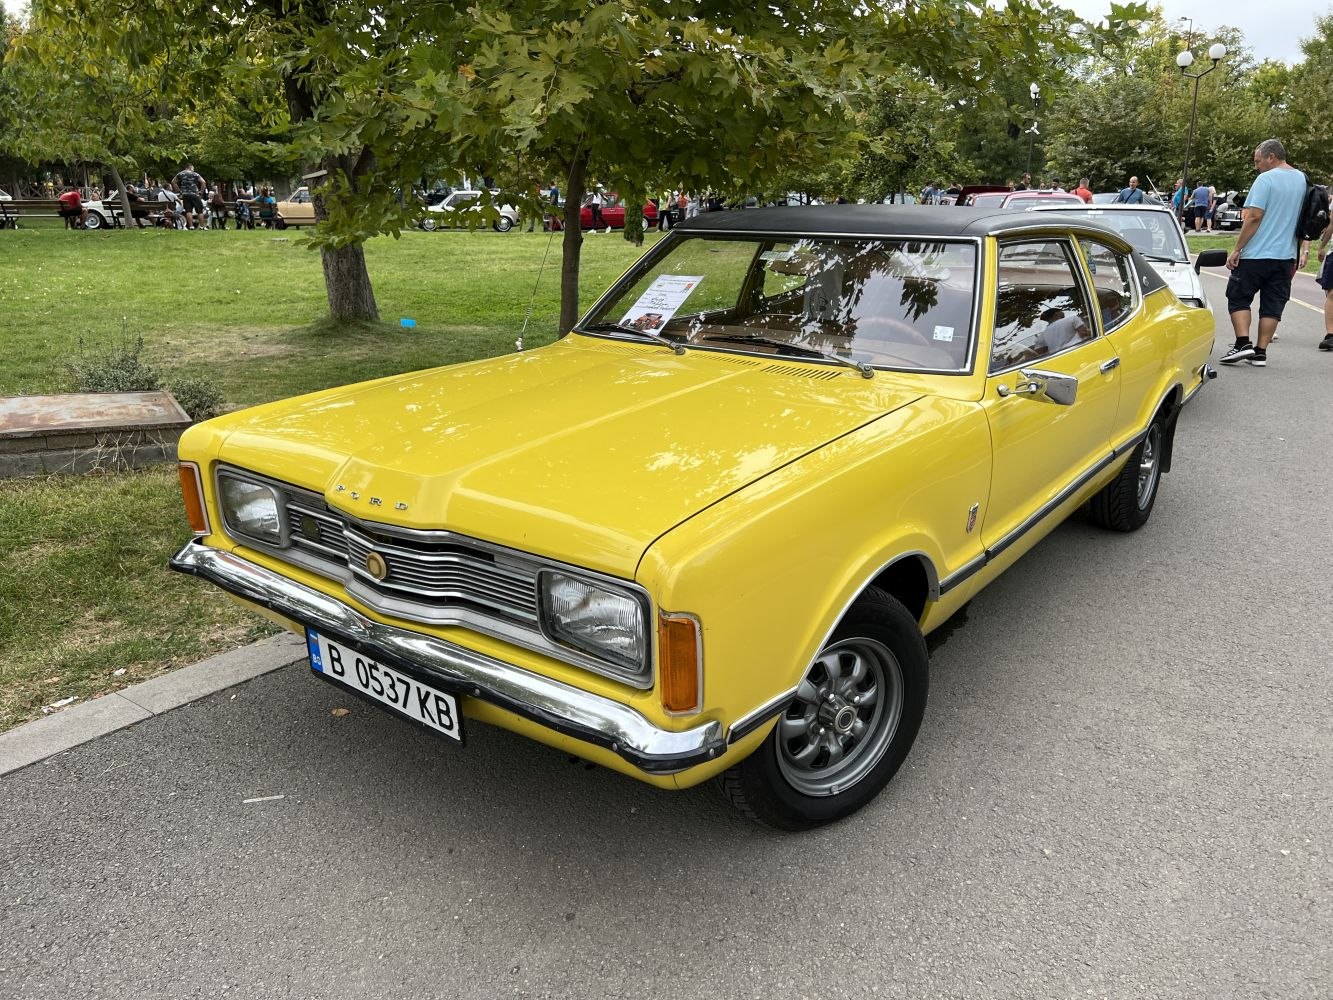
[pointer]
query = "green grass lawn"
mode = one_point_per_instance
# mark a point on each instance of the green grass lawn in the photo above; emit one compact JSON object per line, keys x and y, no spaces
{"x":1225,"y":241}
{"x":83,"y":587}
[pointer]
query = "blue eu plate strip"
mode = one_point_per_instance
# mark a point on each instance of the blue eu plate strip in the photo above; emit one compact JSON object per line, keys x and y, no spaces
{"x":312,"y":641}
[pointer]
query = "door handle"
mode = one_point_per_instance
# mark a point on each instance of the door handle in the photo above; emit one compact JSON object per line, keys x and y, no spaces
{"x":1111,"y":365}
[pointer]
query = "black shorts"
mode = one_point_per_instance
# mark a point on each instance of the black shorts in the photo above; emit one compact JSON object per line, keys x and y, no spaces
{"x":1270,"y":278}
{"x":1200,"y":211}
{"x":193,"y":203}
{"x":1325,"y":278}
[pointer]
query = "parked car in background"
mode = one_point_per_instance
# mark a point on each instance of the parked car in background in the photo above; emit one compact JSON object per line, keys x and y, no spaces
{"x":1155,"y":232}
{"x":461,"y":208}
{"x":298,"y":209}
{"x":703,"y":535}
{"x":1228,"y":212}
{"x":1109,"y":197}
{"x":613,"y":213}
{"x":1019,"y":200}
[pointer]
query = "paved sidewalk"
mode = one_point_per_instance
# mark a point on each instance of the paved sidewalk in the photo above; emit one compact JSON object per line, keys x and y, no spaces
{"x":78,"y":724}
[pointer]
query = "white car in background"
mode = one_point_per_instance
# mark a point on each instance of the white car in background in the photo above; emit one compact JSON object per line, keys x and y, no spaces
{"x":1154,"y":231}
{"x":449,"y":212}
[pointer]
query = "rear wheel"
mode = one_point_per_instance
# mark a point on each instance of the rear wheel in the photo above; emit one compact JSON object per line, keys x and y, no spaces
{"x":279,"y":223}
{"x":94,"y":221}
{"x":503,"y":224}
{"x":848,"y":729}
{"x":428,"y":225}
{"x":1126,"y":502}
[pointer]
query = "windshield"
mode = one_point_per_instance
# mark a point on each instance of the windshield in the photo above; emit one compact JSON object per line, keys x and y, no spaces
{"x":1153,"y":233}
{"x":889,"y":303}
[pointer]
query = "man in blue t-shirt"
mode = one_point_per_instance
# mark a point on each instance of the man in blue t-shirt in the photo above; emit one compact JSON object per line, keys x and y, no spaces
{"x":1203,"y":202}
{"x":1130,"y":195}
{"x":1267,"y":254}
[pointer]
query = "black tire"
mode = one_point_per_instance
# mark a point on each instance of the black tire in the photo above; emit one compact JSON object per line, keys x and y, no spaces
{"x":770,"y":787}
{"x":1126,"y":502}
{"x":503,"y":224}
{"x":279,"y":223}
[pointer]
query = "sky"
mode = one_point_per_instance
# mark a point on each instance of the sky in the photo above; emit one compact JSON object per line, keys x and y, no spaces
{"x":1273,"y":28}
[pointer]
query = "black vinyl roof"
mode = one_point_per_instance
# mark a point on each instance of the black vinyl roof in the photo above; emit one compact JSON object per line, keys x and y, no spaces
{"x":880,"y":220}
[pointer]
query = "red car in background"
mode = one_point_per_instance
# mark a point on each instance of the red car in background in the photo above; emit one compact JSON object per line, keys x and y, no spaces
{"x":613,"y":213}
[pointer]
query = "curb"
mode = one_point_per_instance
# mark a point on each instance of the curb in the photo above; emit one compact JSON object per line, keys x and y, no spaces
{"x":42,"y":738}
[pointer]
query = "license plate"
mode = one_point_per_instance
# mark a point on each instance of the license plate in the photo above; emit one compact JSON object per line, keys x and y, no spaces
{"x":422,"y":703}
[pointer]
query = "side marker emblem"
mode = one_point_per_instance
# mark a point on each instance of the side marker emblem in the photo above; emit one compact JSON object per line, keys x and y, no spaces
{"x":972,"y":517}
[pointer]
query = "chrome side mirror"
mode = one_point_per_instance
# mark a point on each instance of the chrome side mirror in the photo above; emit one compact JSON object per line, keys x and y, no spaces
{"x":1037,"y":384}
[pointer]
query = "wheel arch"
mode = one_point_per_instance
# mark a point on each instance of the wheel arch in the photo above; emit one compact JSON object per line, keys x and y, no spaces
{"x":911,"y":578}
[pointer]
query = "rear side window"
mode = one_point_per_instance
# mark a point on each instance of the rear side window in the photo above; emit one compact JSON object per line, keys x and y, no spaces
{"x":1040,"y":306}
{"x":1112,"y":282}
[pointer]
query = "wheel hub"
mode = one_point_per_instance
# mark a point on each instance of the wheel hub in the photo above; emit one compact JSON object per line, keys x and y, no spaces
{"x":837,"y":712}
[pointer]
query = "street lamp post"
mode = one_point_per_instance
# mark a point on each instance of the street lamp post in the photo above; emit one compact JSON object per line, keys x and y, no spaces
{"x":1035,"y":93}
{"x":1185,"y":60}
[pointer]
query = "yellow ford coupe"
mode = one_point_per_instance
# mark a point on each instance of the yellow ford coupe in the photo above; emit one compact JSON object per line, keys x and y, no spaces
{"x":703,"y":535}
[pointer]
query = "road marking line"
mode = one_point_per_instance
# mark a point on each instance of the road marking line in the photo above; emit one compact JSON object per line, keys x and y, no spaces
{"x":1299,"y":302}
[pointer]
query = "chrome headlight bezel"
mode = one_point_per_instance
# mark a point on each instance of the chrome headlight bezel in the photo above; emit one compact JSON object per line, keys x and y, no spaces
{"x":229,"y":519}
{"x":636,"y":668}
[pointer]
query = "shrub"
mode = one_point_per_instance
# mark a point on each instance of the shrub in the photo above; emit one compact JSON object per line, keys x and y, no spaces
{"x":199,"y":397}
{"x":119,"y":370}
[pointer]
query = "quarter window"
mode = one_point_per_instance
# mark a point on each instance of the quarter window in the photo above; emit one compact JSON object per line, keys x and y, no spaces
{"x":1112,"y":282}
{"x":1040,"y":306}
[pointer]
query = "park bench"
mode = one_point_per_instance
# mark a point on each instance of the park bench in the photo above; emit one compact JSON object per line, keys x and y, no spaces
{"x":28,"y":208}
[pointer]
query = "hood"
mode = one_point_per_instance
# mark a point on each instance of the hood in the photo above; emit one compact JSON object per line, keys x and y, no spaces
{"x":1181,"y":279}
{"x":585,"y":451}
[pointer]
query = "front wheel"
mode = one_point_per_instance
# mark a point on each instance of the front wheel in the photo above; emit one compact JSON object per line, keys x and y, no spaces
{"x":94,"y":221}
{"x":848,"y":729}
{"x":503,"y":224}
{"x":428,"y":225}
{"x":1126,"y":502}
{"x":279,"y":224}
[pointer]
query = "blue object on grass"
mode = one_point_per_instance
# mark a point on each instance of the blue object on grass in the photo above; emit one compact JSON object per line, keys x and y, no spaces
{"x":407,"y":321}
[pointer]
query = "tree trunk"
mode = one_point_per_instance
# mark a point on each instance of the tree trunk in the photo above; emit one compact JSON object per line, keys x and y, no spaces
{"x":348,"y":283}
{"x":126,"y":214}
{"x":573,"y":244}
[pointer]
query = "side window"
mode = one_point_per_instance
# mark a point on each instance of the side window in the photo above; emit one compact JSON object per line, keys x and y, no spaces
{"x":1112,"y":282}
{"x":1040,"y":307}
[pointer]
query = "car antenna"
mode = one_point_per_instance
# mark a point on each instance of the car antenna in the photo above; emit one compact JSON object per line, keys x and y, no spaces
{"x":518,"y":344}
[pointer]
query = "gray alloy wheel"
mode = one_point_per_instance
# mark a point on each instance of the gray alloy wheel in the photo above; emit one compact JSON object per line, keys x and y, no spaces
{"x":94,"y":221}
{"x":1150,"y":466}
{"x":503,"y":224}
{"x":849,"y":726}
{"x":428,"y":224}
{"x":845,"y":714}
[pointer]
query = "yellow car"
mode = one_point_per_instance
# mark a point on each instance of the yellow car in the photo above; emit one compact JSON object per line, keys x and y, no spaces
{"x":703,"y":535}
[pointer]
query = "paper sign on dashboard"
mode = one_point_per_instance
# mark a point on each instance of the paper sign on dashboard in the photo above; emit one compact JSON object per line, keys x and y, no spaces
{"x":661,"y":301}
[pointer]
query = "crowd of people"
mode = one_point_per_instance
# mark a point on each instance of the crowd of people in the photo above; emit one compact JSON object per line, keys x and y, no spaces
{"x":186,"y":201}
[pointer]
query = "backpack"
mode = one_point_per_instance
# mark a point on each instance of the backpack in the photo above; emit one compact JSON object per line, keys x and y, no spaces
{"x":1314,"y":212}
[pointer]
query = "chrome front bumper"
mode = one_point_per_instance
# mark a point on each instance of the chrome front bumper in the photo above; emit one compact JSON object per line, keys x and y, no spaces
{"x":558,"y":706}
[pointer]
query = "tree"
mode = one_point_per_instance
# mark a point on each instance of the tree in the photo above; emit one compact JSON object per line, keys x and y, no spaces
{"x":1307,"y":123}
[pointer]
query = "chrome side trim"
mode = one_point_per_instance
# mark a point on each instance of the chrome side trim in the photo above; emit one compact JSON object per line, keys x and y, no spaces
{"x":747,"y":724}
{"x":556,"y":705}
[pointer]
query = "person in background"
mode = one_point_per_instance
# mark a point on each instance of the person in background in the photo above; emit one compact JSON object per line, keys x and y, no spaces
{"x":595,"y":205}
{"x":1202,"y":205}
{"x":1212,"y":209}
{"x":930,"y":193}
{"x":1130,"y":195}
{"x":1083,"y":191}
{"x":266,"y":207}
{"x":1268,"y":253}
{"x":217,"y":209}
{"x":191,"y":186}
{"x":72,"y":208}
{"x":1025,"y":184}
{"x":1326,"y":283}
{"x":1178,"y":200}
{"x":245,"y":196}
{"x":1056,"y":185}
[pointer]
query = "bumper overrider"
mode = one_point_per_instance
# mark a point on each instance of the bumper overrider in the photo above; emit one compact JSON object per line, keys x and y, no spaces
{"x":558,"y":706}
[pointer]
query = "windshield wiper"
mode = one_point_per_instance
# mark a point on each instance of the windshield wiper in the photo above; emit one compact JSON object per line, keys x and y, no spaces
{"x":1156,"y":256}
{"x":801,"y":352}
{"x":656,"y":338}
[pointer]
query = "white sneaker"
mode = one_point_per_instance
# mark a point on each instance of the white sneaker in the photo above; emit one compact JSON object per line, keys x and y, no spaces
{"x":608,"y":230}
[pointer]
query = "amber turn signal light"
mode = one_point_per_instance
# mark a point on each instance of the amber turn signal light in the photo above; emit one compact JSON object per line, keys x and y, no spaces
{"x":192,"y":490}
{"x":680,"y":663}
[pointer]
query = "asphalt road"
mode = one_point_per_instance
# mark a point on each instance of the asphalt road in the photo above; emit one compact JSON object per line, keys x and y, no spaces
{"x":1122,"y":788}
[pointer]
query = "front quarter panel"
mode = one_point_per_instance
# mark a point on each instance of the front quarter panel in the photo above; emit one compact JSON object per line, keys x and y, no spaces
{"x":771,"y":569}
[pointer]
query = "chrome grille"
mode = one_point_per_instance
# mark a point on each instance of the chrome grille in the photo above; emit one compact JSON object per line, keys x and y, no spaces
{"x":431,"y":575}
